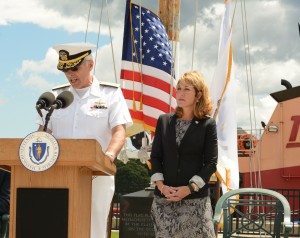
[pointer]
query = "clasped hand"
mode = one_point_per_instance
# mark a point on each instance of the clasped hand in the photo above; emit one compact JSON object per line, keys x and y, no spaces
{"x":175,"y":194}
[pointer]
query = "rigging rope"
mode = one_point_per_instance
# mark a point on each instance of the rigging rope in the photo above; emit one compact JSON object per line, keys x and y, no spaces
{"x":253,"y":104}
{"x":88,"y":20}
{"x":249,"y":103}
{"x":250,"y":94}
{"x":110,"y":35}
{"x":112,"y":48}
{"x":98,"y":36}
{"x":195,"y":27}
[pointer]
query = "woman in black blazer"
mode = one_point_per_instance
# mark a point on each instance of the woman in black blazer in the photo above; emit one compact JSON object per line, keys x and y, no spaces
{"x":183,"y":157}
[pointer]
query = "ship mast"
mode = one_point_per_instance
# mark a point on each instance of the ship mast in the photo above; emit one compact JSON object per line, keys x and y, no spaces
{"x":169,"y":13}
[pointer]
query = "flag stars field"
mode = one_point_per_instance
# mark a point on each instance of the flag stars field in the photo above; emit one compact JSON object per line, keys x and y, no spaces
{"x":147,"y":84}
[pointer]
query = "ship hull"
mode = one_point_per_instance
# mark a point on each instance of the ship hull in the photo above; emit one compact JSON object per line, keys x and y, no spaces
{"x":281,"y":178}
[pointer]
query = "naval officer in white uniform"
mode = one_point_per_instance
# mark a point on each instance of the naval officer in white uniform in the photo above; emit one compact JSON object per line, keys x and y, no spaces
{"x":99,"y":111}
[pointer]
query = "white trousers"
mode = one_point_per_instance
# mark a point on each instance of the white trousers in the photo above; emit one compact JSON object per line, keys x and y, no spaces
{"x":103,"y":188}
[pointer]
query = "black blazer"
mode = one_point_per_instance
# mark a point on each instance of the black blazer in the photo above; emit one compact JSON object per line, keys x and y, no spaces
{"x":196,"y":155}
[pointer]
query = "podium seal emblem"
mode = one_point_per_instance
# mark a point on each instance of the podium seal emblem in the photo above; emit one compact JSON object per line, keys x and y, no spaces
{"x":38,"y":151}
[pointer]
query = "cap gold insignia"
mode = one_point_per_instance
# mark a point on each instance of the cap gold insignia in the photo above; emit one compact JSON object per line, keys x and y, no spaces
{"x":63,"y":56}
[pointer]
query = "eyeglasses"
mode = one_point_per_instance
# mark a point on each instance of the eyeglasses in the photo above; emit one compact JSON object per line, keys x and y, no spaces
{"x":72,"y":69}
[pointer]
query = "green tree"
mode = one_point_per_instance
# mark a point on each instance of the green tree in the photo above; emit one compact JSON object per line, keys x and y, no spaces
{"x":131,"y":177}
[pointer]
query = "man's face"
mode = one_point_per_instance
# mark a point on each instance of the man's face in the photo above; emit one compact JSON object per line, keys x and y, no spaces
{"x":79,"y":77}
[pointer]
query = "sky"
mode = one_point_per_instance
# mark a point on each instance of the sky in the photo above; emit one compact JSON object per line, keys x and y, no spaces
{"x":268,"y":30}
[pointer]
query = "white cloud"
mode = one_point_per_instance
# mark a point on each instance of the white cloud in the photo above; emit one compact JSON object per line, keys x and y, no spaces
{"x":270,"y":3}
{"x":263,"y":48}
{"x":32,"y":73}
{"x":109,"y":57}
{"x":259,"y":106}
{"x":33,"y":11}
{"x":38,"y":82}
{"x":46,"y":65}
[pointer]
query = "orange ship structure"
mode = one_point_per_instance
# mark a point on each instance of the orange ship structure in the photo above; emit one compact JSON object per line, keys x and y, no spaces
{"x":272,"y":159}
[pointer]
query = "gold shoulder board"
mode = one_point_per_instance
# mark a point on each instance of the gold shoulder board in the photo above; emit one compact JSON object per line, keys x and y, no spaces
{"x":115,"y":85}
{"x":63,"y":86}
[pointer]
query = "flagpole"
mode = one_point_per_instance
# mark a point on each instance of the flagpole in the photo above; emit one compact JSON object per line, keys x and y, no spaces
{"x":169,"y":13}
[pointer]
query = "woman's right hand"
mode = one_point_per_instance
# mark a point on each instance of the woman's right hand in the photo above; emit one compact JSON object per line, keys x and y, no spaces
{"x":167,"y":191}
{"x":178,"y":193}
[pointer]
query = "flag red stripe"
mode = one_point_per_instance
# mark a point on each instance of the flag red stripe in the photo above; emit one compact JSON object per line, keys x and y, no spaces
{"x":150,"y":121}
{"x":147,"y":100}
{"x":138,"y":115}
{"x":130,"y":94}
{"x":148,"y":80}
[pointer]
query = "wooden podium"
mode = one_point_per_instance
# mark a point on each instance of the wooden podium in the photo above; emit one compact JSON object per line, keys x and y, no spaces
{"x":78,"y":161}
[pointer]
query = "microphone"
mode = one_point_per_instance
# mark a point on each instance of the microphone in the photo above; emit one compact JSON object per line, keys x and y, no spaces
{"x":44,"y":101}
{"x":63,"y":100}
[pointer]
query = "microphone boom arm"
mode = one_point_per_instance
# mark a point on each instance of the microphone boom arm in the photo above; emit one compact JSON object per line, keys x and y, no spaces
{"x":47,"y":118}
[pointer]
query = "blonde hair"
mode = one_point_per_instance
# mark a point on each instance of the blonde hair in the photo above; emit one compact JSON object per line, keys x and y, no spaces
{"x":204,"y":105}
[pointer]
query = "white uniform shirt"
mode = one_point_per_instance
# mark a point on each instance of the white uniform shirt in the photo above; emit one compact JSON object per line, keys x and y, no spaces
{"x":92,"y":117}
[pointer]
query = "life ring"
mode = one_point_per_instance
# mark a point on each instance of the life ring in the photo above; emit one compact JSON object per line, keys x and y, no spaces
{"x":244,"y":143}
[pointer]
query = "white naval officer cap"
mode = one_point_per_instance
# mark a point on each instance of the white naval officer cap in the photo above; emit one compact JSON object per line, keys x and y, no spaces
{"x":72,"y":54}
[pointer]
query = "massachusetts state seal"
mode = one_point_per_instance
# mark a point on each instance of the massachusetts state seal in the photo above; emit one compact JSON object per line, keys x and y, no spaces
{"x":38,"y":151}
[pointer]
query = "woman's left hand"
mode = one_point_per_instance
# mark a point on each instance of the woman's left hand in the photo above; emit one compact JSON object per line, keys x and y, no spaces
{"x":178,"y":194}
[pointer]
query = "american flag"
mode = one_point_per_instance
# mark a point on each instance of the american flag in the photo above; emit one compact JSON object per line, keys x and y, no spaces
{"x":146,"y":75}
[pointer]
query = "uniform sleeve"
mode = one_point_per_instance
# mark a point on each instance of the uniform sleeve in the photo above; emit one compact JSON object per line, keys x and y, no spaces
{"x":119,"y":113}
